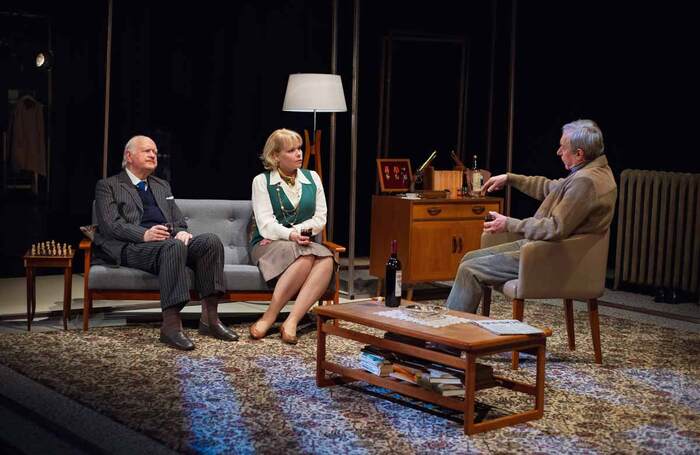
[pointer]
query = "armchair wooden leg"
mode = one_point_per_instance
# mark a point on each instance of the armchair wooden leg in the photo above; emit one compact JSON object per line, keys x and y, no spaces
{"x":569,"y":314}
{"x":486,"y":305}
{"x":518,"y":311}
{"x":595,"y":329}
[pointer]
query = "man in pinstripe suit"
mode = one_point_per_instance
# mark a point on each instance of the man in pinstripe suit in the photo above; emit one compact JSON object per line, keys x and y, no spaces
{"x":133,"y":209}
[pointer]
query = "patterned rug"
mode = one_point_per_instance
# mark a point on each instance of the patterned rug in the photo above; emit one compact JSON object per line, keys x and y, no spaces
{"x":261,"y":396}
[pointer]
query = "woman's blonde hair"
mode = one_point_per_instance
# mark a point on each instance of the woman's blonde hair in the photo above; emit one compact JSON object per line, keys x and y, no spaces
{"x":278,"y":141}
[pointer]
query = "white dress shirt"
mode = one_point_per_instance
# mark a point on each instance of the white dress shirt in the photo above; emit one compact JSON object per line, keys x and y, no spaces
{"x":135,"y":180}
{"x":265,"y":218}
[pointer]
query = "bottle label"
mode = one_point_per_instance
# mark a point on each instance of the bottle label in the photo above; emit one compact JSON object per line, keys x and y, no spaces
{"x":397,"y":288}
{"x":476,"y":181}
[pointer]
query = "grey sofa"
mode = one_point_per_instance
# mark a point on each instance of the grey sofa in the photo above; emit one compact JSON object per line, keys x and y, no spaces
{"x":228,"y":219}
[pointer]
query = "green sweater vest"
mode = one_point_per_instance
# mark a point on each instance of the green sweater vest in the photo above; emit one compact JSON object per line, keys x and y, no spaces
{"x":282,"y":207}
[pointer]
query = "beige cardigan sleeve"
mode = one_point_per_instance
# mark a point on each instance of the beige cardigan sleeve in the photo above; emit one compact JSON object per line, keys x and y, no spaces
{"x":566,"y":213}
{"x":534,"y":186}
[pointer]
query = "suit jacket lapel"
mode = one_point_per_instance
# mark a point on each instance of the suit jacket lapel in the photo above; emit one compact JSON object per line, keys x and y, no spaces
{"x":159,"y":195}
{"x":129,"y":187}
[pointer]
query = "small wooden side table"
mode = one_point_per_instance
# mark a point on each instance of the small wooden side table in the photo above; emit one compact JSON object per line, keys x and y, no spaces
{"x":64,"y":262}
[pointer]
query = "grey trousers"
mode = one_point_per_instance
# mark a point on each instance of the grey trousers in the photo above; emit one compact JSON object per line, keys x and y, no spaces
{"x":488,"y":266}
{"x":169,"y":260}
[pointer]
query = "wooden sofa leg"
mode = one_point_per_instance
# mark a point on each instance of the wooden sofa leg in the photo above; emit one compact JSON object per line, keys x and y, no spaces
{"x":595,"y":329}
{"x":569,"y":315}
{"x":87,"y":306}
{"x":486,"y":304}
{"x":518,"y":311}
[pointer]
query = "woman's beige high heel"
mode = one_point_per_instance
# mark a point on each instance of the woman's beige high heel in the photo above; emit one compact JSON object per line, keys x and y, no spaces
{"x":255,"y":333}
{"x":286,"y":337}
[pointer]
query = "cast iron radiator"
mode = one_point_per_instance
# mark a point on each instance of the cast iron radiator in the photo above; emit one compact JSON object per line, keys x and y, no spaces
{"x":658,"y":232}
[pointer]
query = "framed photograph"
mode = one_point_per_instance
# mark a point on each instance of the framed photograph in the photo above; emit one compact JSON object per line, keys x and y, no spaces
{"x":394,"y":174}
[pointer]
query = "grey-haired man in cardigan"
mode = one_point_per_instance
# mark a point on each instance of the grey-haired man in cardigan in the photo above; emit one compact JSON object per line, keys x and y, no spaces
{"x":134,"y":210}
{"x":583,"y":202}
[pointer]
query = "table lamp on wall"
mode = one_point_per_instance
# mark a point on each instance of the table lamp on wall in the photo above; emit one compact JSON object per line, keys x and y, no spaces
{"x":311,"y":92}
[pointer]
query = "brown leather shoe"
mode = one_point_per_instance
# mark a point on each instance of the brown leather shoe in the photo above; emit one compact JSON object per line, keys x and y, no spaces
{"x":177,"y":340}
{"x":286,"y":337}
{"x":218,"y":331}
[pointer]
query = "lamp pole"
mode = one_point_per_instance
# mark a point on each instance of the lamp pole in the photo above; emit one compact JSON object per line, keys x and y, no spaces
{"x":353,"y":146}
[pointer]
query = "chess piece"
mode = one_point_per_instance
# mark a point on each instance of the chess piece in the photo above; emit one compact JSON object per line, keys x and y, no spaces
{"x":33,"y":250}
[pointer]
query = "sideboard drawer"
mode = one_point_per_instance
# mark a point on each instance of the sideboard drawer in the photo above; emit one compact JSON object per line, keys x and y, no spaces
{"x":439,"y":211}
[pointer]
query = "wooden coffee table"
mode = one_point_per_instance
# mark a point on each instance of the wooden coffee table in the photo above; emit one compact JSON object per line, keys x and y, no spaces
{"x":471,"y":340}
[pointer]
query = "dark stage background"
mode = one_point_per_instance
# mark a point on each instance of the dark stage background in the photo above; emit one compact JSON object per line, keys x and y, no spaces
{"x":207,"y":84}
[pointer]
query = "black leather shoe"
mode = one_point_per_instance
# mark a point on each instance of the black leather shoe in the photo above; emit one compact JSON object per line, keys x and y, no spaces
{"x":218,"y":331}
{"x":178,"y":340}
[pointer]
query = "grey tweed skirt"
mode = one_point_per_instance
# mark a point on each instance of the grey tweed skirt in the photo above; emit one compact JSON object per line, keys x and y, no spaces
{"x":274,"y":258}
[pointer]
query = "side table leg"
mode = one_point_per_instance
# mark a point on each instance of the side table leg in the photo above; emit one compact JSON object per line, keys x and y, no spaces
{"x":67,"y":288}
{"x":30,"y":296}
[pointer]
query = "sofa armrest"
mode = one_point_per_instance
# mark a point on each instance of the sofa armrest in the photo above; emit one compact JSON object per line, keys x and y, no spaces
{"x":334,"y":247}
{"x":488,"y":239}
{"x":570,"y":268}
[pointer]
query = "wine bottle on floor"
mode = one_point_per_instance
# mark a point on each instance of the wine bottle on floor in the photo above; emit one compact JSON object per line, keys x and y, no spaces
{"x":392,"y":276}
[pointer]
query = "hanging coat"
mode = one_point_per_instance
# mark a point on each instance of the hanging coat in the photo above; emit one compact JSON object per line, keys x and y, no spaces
{"x":27,"y":143}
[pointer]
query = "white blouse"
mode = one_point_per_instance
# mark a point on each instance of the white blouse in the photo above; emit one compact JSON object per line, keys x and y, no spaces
{"x":265,"y":218}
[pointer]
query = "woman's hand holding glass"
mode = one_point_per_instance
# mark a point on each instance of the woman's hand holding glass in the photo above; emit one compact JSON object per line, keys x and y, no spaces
{"x":294,"y":236}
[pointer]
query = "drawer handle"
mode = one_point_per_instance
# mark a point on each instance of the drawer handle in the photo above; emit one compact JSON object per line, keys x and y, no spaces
{"x":460,"y":243}
{"x":435,"y":210}
{"x":454,"y":244}
{"x":478,"y":209}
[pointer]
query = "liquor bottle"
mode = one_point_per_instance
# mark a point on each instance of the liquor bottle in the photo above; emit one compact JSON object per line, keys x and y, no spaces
{"x":392,"y":277}
{"x":477,"y":179}
{"x":465,"y":183}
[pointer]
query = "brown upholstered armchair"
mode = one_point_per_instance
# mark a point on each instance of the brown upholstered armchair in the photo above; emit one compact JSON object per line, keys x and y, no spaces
{"x":569,"y":269}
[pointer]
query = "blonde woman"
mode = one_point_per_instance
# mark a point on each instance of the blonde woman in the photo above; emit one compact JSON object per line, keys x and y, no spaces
{"x":290,"y":208}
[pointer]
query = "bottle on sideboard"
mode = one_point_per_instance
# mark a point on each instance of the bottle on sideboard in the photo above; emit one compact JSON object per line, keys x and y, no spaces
{"x":392,"y":277}
{"x":477,"y":179}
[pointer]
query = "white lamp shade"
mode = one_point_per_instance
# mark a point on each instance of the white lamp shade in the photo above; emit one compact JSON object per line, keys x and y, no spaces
{"x":309,"y":92}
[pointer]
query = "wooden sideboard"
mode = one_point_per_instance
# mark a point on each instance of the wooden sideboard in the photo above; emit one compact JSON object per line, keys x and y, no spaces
{"x":433,"y":234}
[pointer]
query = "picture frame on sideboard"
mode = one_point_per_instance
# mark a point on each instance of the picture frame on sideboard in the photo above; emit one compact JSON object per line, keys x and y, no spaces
{"x":394,"y":175}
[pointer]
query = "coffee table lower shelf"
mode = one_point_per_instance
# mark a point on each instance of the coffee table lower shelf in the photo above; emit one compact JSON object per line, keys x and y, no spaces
{"x":466,"y":405}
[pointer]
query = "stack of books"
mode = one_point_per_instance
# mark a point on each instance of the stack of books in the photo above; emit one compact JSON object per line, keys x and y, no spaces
{"x":375,"y":363}
{"x":438,"y":378}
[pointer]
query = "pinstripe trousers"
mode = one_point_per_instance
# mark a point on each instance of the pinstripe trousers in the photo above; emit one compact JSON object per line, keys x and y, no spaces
{"x":169,"y":260}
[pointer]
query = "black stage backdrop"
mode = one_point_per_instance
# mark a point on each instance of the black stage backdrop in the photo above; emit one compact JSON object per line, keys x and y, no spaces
{"x":207,"y":81}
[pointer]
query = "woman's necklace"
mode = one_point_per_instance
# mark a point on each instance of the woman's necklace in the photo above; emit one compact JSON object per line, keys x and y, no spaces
{"x":289,"y":179}
{"x":289,"y":215}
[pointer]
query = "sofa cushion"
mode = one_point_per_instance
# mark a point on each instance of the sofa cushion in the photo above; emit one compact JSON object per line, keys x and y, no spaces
{"x":239,"y":277}
{"x":228,"y":219}
{"x":126,"y":278}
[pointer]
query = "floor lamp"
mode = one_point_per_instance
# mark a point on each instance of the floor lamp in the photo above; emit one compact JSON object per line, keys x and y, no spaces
{"x":311,"y":92}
